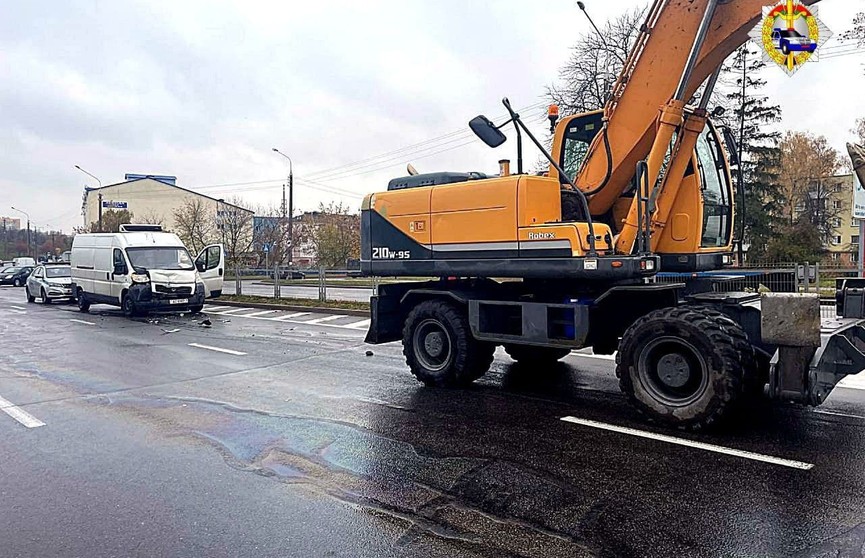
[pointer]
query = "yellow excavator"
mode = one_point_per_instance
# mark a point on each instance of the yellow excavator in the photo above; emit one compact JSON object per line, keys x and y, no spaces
{"x":543,"y":265}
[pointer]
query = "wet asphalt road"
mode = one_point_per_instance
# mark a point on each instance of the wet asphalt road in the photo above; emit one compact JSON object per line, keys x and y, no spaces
{"x":257,"y":288}
{"x":297,"y":444}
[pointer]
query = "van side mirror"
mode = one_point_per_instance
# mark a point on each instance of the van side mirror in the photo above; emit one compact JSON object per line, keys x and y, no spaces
{"x":486,"y":130}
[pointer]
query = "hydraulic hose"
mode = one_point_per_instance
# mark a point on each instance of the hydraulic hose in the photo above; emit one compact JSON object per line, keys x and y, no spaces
{"x":609,"y":174}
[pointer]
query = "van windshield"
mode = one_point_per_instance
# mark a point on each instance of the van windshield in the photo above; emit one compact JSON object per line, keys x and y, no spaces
{"x":160,"y":258}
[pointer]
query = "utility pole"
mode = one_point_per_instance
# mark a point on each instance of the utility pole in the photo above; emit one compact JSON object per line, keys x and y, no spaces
{"x":29,"y":247}
{"x":290,"y":204}
{"x":96,"y":178}
{"x":5,"y":242}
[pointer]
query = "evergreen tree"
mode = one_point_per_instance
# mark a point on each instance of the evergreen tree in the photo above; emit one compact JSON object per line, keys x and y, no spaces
{"x":758,"y":142}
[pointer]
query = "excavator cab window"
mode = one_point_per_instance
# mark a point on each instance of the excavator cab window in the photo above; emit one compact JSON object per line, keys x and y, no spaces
{"x":716,"y":191}
{"x":578,"y":137}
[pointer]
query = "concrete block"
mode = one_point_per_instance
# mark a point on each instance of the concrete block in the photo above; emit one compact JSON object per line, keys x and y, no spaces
{"x":791,"y":319}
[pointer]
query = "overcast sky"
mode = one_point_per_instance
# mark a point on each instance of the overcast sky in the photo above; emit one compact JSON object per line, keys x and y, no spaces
{"x":204,"y":89}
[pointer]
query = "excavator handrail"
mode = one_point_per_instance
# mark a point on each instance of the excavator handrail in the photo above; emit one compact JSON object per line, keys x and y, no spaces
{"x":518,"y":123}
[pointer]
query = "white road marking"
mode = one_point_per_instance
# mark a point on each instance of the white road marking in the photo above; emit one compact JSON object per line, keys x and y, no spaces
{"x":691,"y":444}
{"x":262,"y":313}
{"x":290,"y":316}
{"x":17,"y":307}
{"x":20,"y":414}
{"x":229,"y":311}
{"x":324,"y":319}
{"x":211,"y":308}
{"x":853,"y":382}
{"x":596,"y":357}
{"x":19,"y":312}
{"x":81,"y":322}
{"x":363,"y":324}
{"x":217,"y":349}
{"x":836,"y":414}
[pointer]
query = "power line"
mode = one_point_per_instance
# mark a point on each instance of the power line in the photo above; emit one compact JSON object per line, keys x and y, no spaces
{"x":393,"y":161}
{"x":413,"y":147}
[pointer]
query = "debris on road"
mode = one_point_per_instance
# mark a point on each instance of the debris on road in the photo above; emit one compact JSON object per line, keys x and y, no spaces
{"x":369,"y":353}
{"x":205,"y":322}
{"x":175,"y":330}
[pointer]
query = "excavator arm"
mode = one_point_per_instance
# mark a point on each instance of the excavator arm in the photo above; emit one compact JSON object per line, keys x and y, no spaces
{"x":681,"y":44}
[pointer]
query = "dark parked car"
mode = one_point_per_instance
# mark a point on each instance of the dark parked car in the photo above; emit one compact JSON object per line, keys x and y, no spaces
{"x":291,"y":274}
{"x":15,"y":276}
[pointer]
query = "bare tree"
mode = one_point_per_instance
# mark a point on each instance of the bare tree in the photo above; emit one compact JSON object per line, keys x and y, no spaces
{"x":271,"y":236}
{"x":595,"y":64}
{"x":235,"y":228}
{"x":195,"y":224}
{"x":335,"y":234}
{"x":151,"y":218}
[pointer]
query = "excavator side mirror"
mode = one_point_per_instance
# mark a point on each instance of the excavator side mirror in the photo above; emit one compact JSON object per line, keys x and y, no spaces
{"x":484,"y":128}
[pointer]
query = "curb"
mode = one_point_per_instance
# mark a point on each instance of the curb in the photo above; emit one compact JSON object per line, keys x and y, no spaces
{"x":291,"y":307}
{"x":263,"y":284}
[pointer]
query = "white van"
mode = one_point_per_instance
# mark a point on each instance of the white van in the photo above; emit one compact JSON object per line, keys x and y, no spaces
{"x":142,"y":269}
{"x":24,"y":262}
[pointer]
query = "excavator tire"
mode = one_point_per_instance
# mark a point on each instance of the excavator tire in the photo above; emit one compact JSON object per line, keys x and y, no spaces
{"x":535,"y":356}
{"x":684,"y":366}
{"x":439,"y":347}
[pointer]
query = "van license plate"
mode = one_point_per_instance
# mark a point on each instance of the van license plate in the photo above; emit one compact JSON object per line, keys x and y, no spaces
{"x":179,"y":301}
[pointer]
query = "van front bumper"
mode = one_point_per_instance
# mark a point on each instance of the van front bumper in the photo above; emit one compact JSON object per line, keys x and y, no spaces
{"x":148,"y":301}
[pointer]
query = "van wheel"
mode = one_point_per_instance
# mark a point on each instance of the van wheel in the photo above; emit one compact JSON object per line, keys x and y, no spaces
{"x":128,"y":307}
{"x":83,"y":303}
{"x":439,"y":347}
{"x":45,"y":299}
{"x":30,"y":298}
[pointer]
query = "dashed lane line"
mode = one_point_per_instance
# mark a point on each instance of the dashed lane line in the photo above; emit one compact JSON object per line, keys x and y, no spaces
{"x":17,"y":307}
{"x":20,"y":414}
{"x":81,"y":321}
{"x":217,"y":349}
{"x":801,"y":465}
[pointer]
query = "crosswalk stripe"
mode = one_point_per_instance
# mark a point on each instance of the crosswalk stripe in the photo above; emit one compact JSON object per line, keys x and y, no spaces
{"x":363,"y":324}
{"x":262,"y":313}
{"x":324,"y":319}
{"x":291,"y":316}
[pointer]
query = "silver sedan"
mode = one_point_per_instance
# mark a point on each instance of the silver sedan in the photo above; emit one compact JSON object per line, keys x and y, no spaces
{"x":49,"y":282}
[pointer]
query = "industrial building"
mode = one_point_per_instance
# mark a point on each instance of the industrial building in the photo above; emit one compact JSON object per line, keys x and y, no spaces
{"x":150,"y":199}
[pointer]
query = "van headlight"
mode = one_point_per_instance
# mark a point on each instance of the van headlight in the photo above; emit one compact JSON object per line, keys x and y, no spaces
{"x":140,"y":278}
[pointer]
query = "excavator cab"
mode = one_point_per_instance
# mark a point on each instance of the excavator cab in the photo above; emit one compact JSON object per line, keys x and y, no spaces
{"x":698,"y":235}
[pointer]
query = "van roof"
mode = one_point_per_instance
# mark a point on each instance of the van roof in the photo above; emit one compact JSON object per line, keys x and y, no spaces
{"x":126,"y":240}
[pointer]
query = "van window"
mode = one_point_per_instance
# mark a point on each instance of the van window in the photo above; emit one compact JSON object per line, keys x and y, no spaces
{"x":160,"y":258}
{"x":213,"y":256}
{"x":118,"y":258}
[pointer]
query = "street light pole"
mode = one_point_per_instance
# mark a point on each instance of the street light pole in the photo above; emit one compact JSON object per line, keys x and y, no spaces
{"x":290,"y":205}
{"x":94,"y":177}
{"x":29,"y":253}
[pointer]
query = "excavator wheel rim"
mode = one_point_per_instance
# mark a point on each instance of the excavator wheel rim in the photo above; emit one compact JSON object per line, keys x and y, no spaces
{"x":673,"y":371}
